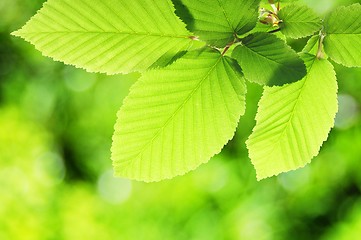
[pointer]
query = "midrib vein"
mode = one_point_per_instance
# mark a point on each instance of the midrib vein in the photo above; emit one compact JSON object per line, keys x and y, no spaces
{"x":21,"y":34}
{"x":156,"y":135}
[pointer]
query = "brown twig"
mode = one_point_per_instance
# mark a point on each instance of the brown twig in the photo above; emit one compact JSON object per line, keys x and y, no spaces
{"x":227,"y":47}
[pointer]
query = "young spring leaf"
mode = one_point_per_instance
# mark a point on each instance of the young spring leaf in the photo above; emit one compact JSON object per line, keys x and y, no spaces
{"x":294,"y":120}
{"x":109,"y":36}
{"x":217,"y":21}
{"x":178,"y":117}
{"x":298,"y":21}
{"x":268,"y":60}
{"x":343,"y":35}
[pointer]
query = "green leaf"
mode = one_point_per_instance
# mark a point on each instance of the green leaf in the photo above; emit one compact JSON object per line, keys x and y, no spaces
{"x":217,"y":21}
{"x":268,"y":60}
{"x":298,"y":21}
{"x":294,"y":120}
{"x":261,"y":27}
{"x":312,"y":45}
{"x":178,"y":117}
{"x":266,"y":3}
{"x":109,"y":36}
{"x":343,"y":35}
{"x":281,"y":1}
{"x":266,"y":28}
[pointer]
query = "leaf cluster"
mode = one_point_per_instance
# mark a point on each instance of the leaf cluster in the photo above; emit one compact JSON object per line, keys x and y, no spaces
{"x":195,"y":57}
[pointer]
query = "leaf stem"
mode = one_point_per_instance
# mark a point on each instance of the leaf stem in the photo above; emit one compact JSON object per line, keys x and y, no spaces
{"x":195,"y":38}
{"x":319,"y":54}
{"x":227,"y":47}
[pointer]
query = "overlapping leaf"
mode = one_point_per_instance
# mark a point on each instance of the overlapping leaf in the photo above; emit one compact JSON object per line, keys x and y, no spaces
{"x":312,"y":45}
{"x":178,"y":117}
{"x":343,"y":35}
{"x":294,"y":120}
{"x":110,"y":36}
{"x":217,"y":21}
{"x":268,"y":60}
{"x":298,"y":21}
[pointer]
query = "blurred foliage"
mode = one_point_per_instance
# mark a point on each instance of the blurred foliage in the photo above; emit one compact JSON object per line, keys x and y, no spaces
{"x":56,"y":181}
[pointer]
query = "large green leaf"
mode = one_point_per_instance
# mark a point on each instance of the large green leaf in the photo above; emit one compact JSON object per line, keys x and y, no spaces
{"x":178,"y":117}
{"x":110,"y":36}
{"x":343,"y":35}
{"x":268,"y":60}
{"x":217,"y":21}
{"x":294,"y":120}
{"x":298,"y":21}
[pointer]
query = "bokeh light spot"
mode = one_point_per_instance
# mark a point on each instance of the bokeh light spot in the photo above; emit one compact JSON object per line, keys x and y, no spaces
{"x":113,"y":190}
{"x":348,"y":112}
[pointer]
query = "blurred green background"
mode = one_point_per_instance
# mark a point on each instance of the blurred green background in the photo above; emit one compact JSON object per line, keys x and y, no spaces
{"x":56,"y":181}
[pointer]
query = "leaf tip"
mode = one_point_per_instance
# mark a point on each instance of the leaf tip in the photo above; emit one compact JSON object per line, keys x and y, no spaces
{"x":16,"y":33}
{"x":262,"y":175}
{"x":260,"y":178}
